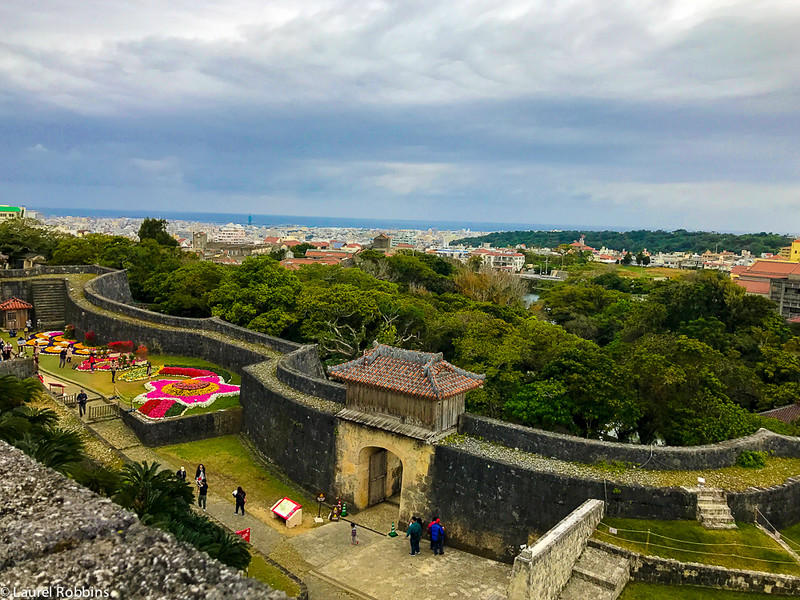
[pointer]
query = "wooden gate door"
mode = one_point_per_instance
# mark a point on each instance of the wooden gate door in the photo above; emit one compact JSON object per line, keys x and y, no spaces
{"x":377,"y":477}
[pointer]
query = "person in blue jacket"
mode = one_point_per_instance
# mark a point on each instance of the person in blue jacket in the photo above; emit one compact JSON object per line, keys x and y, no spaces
{"x":414,"y":532}
{"x":437,"y":537}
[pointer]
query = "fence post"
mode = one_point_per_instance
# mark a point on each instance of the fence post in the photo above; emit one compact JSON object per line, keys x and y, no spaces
{"x":647,"y":544}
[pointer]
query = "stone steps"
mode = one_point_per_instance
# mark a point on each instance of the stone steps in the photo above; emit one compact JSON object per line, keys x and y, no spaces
{"x":597,"y":575}
{"x":49,"y":301}
{"x":712,"y":509}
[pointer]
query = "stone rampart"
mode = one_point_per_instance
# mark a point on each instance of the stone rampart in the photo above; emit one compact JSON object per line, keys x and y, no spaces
{"x":541,"y":571}
{"x":299,"y":438}
{"x":302,"y":371}
{"x":184,"y":429}
{"x":55,"y":534}
{"x":780,"y":504}
{"x":670,"y":458}
{"x":515,"y":501}
{"x":53,"y":270}
{"x":654,"y":569}
{"x":21,"y":368}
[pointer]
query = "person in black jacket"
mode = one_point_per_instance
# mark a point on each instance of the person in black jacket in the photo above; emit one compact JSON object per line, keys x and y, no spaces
{"x":202,"y":495}
{"x":181,"y":474}
{"x":239,"y":495}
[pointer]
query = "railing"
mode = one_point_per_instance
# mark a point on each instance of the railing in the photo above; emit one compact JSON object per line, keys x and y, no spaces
{"x":106,"y":411}
{"x":68,"y":400}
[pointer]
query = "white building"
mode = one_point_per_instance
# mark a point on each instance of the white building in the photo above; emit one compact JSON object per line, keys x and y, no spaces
{"x":506,"y":260}
{"x":11,"y":212}
{"x":231,"y":234}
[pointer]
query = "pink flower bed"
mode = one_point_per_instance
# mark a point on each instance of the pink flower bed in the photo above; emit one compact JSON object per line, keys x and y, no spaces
{"x":199,"y":390}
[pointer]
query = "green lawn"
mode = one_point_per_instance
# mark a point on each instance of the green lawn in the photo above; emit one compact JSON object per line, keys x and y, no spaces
{"x":229,"y":464}
{"x":688,"y":541}
{"x":218,"y":404}
{"x":791,"y":535}
{"x":649,"y":591}
{"x":272,"y":576}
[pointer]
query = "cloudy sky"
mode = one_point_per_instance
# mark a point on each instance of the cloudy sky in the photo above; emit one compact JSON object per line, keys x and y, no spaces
{"x":625,"y":113}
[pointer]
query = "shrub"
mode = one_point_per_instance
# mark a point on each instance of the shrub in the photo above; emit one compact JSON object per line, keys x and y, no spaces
{"x":69,"y":332}
{"x":121,"y":346}
{"x":141,"y":351}
{"x":90,"y":337}
{"x":752,"y":460}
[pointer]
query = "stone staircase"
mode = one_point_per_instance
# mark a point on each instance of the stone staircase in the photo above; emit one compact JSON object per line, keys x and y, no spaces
{"x":597,"y":575}
{"x":49,"y":302}
{"x":712,"y":509}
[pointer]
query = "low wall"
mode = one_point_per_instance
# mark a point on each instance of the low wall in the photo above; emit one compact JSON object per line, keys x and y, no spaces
{"x":53,"y":270}
{"x":300,"y":439}
{"x":780,"y":504}
{"x":302,"y":371}
{"x":515,"y":502}
{"x":112,"y":292}
{"x":671,"y":458}
{"x":653,"y":569}
{"x":21,"y":368}
{"x":541,"y":572}
{"x":184,"y":429}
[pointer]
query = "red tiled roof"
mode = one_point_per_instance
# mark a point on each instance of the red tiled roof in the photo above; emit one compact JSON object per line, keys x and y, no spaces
{"x":15,"y":304}
{"x":271,"y":240}
{"x":773,"y":268}
{"x":407,"y":371}
{"x":754,"y":287}
{"x":291,"y":243}
{"x":787,"y":414}
{"x":295,"y":263}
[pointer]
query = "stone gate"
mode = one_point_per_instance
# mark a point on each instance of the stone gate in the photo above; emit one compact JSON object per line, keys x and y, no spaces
{"x":398,"y":404}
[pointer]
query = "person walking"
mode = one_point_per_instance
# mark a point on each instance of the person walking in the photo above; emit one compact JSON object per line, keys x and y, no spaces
{"x":202,"y":495}
{"x":82,"y":398}
{"x":113,"y":370}
{"x":62,"y":358}
{"x":239,"y":495}
{"x":21,"y":346}
{"x":200,"y":473}
{"x":149,"y":368}
{"x":353,"y":535}
{"x":70,"y":352}
{"x":437,"y":537}
{"x":92,"y":359}
{"x":414,"y":532}
{"x":181,"y":474}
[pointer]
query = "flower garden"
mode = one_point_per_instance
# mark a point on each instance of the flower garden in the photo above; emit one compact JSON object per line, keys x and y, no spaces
{"x":158,"y":391}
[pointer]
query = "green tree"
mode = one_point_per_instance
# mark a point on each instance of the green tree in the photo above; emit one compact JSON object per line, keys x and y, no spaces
{"x":299,"y":250}
{"x":184,"y":291}
{"x":156,"y":229}
{"x":20,"y":237}
{"x":259,"y":291}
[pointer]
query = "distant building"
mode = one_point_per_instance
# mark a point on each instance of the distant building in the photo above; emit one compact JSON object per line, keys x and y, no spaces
{"x":199,"y":241}
{"x":11,"y":212}
{"x":504,"y":260}
{"x":231,"y":234}
{"x":777,"y":280}
{"x":382,"y":243}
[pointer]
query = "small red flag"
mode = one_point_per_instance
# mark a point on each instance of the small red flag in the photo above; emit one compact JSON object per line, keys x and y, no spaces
{"x":244,"y":534}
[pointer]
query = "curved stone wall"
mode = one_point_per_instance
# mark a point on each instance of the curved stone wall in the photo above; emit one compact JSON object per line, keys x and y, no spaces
{"x":657,"y":458}
{"x":302,"y":371}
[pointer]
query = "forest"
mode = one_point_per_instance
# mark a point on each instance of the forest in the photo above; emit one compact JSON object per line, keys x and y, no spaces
{"x":685,"y":361}
{"x":679,"y":240}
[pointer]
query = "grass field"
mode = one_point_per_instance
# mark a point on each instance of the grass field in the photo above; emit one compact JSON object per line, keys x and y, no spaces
{"x":791,"y":535}
{"x":229,"y":464}
{"x":649,"y":591}
{"x":744,"y":548}
{"x":272,"y":576}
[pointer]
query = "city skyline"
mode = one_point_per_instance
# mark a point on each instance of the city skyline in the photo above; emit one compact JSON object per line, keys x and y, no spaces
{"x":663,"y":115}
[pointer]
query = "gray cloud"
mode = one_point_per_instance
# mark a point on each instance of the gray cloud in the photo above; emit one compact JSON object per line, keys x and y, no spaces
{"x":655,"y":113}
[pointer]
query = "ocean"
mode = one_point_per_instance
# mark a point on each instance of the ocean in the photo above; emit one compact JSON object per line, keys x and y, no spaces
{"x":290,"y":220}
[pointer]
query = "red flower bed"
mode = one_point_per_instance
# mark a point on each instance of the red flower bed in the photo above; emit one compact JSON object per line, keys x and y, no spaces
{"x":156,"y":409}
{"x":126,"y":347}
{"x":185,"y":371}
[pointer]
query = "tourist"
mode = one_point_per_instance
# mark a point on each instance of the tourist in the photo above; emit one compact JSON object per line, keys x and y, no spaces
{"x":200,"y":473}
{"x":62,"y":358}
{"x":12,"y":333}
{"x":149,"y":368}
{"x":91,"y":362}
{"x":353,"y":535}
{"x":28,"y":325}
{"x":36,"y":350}
{"x":113,"y":370}
{"x":437,"y":537}
{"x":70,"y":352}
{"x":239,"y":494}
{"x":414,"y":532}
{"x":20,"y":346}
{"x":181,"y":474}
{"x":82,"y":398}
{"x":202,"y":494}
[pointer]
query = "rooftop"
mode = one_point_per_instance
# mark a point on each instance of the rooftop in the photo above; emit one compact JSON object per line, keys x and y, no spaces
{"x":407,"y":371}
{"x":15,"y":304}
{"x":787,"y":414}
